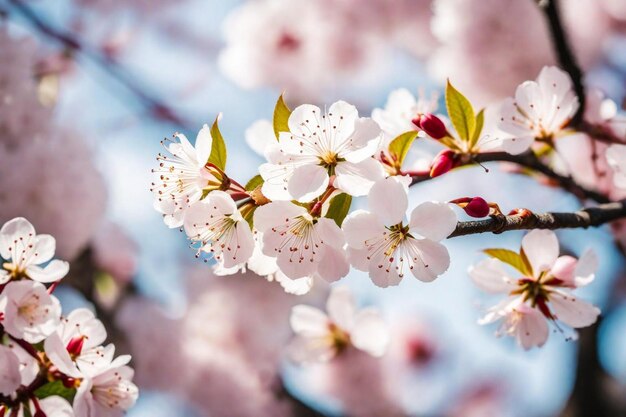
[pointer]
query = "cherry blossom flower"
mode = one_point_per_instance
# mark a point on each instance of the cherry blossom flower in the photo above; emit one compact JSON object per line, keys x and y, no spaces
{"x":220,"y":229}
{"x":321,"y":336}
{"x":75,"y":346}
{"x":542,"y":294}
{"x":382,"y":244}
{"x":24,"y":251}
{"x":616,"y":157}
{"x":319,"y":145}
{"x":302,"y":245}
{"x":540,"y":110}
{"x":400,"y":110}
{"x":183,"y":176}
{"x":10,"y":377}
{"x":30,"y":313}
{"x":108,"y":393}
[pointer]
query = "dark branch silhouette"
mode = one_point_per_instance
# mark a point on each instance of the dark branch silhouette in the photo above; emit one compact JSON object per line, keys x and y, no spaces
{"x":529,"y":160}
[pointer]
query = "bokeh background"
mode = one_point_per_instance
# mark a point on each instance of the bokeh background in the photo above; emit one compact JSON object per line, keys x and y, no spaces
{"x":88,"y":88}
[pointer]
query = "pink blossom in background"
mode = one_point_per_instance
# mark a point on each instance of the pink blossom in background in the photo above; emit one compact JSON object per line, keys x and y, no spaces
{"x":361,"y":383}
{"x":115,"y":252}
{"x":63,"y":193}
{"x":296,"y":46}
{"x":490,"y":46}
{"x":47,"y":172}
{"x":22,"y":116}
{"x":226,"y":348}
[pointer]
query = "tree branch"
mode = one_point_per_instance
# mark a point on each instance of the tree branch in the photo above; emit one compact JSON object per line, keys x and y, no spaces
{"x":526,"y":220}
{"x":564,"y":53}
{"x":529,"y":160}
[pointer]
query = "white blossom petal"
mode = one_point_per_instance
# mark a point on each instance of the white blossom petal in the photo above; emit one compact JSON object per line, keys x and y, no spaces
{"x":542,"y":249}
{"x":490,"y":275}
{"x":433,"y":220}
{"x":388,"y":200}
{"x":370,"y":332}
{"x":572,"y":310}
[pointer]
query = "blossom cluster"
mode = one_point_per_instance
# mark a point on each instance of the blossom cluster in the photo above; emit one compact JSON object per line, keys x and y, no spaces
{"x":52,"y":365}
{"x":304,"y":49}
{"x":293,"y":222}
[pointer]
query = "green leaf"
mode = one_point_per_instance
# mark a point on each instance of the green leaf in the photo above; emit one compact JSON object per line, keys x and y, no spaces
{"x":254,"y":183}
{"x":400,"y":146}
{"x":460,"y":112}
{"x":281,"y":117}
{"x":529,"y":267}
{"x":218,"y":149}
{"x":480,"y":121}
{"x":55,"y":388}
{"x":509,"y":257}
{"x":339,"y":207}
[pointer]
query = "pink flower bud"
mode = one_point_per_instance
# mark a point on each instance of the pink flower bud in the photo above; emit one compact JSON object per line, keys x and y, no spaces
{"x":75,"y":346}
{"x":431,"y":125}
{"x":477,"y":207}
{"x":443,"y":162}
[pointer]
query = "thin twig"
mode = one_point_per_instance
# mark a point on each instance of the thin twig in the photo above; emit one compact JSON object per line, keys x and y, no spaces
{"x":525,"y":220}
{"x":529,"y":160}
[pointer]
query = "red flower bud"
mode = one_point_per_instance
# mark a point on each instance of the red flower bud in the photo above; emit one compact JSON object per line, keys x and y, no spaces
{"x":75,"y":346}
{"x":431,"y":125}
{"x":477,"y":207}
{"x":443,"y":162}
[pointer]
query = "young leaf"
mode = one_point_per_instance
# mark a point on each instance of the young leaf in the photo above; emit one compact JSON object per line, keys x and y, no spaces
{"x":339,"y":207}
{"x":399,"y":147}
{"x":478,"y":128}
{"x":55,"y":388}
{"x":281,"y":117}
{"x":460,"y":112}
{"x":529,"y":267}
{"x":218,"y":149}
{"x":254,"y":182}
{"x":509,"y":257}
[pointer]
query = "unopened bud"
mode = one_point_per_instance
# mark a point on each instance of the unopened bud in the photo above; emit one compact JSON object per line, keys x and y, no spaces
{"x":443,"y":162}
{"x":474,"y":206}
{"x":477,"y":207}
{"x":75,"y":346}
{"x":431,"y":125}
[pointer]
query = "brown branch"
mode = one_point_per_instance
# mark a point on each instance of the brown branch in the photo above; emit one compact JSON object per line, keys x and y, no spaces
{"x":526,"y":220}
{"x":529,"y":160}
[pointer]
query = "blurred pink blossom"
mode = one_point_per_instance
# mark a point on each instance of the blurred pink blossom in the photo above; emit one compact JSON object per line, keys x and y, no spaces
{"x":230,"y":343}
{"x":115,"y":252}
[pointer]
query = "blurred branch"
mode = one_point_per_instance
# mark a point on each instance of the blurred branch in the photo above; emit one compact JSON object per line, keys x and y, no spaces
{"x":156,"y":107}
{"x":564,"y":53}
{"x":595,"y":392}
{"x":530,"y":160}
{"x":526,"y":220}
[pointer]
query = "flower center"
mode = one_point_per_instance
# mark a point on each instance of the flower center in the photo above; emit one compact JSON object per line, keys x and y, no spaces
{"x":340,"y":338}
{"x":329,"y":158}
